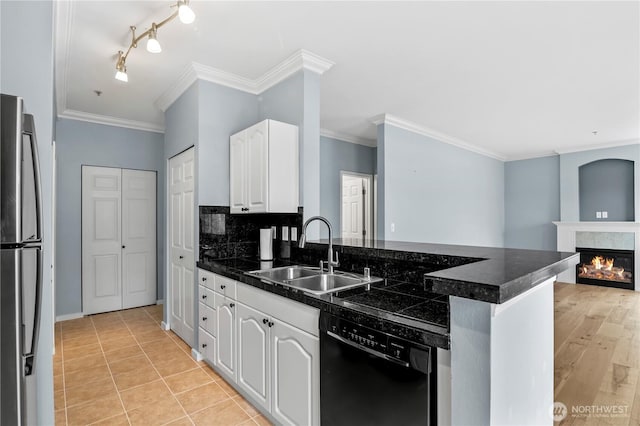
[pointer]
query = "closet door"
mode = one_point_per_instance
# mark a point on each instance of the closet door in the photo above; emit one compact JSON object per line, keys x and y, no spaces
{"x":101,"y":234}
{"x":138,"y":238}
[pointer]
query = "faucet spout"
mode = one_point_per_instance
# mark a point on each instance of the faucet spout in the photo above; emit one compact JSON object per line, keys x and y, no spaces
{"x":331,"y":262}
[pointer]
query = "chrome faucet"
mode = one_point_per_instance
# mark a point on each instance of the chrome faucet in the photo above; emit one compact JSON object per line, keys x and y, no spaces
{"x":303,"y":238}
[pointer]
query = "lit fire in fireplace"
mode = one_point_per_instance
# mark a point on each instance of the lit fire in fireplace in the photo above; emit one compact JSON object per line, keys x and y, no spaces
{"x":601,"y":268}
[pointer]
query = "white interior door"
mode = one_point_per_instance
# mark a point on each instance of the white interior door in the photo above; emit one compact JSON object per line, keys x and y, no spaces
{"x":352,"y":207}
{"x":139,"y":281}
{"x":101,"y":233}
{"x":181,"y":244}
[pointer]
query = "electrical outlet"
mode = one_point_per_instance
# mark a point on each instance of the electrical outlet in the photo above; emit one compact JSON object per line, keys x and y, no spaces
{"x":598,"y":215}
{"x":294,"y":234}
{"x":393,"y":227}
{"x":285,"y":233}
{"x":605,"y":215}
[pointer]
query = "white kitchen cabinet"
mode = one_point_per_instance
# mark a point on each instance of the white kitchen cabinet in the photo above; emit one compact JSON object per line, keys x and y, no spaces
{"x":253,"y":354}
{"x":295,"y":375}
{"x":264,"y":166}
{"x":265,"y":345}
{"x":225,"y":357}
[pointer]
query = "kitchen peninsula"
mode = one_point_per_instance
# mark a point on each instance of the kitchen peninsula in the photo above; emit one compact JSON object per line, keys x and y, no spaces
{"x":488,"y":311}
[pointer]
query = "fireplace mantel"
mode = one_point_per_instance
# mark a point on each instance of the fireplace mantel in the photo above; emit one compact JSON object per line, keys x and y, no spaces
{"x":567,"y":240}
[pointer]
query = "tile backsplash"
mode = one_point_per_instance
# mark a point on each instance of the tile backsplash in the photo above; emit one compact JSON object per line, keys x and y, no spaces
{"x":223,"y":235}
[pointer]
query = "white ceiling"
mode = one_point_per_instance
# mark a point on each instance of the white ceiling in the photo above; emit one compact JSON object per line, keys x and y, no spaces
{"x":516,"y":79}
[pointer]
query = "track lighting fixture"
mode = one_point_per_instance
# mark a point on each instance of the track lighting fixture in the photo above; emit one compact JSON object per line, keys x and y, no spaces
{"x":186,"y":15}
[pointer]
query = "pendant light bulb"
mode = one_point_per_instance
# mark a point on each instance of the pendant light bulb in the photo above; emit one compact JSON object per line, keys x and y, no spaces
{"x":121,"y":69}
{"x":186,"y":14}
{"x":153,"y":45}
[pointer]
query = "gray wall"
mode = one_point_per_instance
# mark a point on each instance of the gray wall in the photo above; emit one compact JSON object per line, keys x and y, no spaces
{"x":26,"y":69}
{"x":440,"y":193}
{"x":80,"y":143}
{"x":296,"y":100}
{"x":532,"y":202}
{"x":222,"y":112}
{"x":606,"y":185}
{"x":569,"y":186}
{"x":337,"y":156}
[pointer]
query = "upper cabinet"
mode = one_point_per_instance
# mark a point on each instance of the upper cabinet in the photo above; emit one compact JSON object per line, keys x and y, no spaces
{"x":264,"y":169}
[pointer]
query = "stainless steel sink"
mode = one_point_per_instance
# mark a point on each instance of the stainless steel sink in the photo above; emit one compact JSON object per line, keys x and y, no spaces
{"x":286,"y":273}
{"x":312,"y":280}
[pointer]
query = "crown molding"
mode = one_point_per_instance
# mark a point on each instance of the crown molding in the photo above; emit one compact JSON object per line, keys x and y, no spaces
{"x":63,"y":31}
{"x":606,"y":145}
{"x":302,"y":59}
{"x":169,"y":96}
{"x":531,"y":156}
{"x":110,"y":121}
{"x":348,"y":138}
{"x":425,"y":131}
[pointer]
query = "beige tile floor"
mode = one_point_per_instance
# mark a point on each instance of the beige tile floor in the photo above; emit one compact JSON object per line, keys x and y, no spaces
{"x":120,"y":368}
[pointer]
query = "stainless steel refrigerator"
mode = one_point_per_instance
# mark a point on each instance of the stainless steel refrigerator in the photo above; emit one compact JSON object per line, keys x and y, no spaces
{"x":21,"y":263}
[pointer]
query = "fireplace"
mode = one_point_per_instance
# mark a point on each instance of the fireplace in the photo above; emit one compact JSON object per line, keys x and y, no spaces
{"x":606,"y":267}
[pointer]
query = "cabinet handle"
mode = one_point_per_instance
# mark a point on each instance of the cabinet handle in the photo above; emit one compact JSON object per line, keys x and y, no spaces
{"x":244,"y":209}
{"x":222,"y":287}
{"x":204,"y":345}
{"x":270,"y":324}
{"x":179,"y":257}
{"x":204,"y":296}
{"x":124,"y":246}
{"x":264,"y":320}
{"x":204,"y":318}
{"x":231,"y":305}
{"x":204,"y":278}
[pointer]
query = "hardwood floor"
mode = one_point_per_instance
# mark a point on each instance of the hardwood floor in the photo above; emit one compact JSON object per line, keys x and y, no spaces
{"x":597,"y":354}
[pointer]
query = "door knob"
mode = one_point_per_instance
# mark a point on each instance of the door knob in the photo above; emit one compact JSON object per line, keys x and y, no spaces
{"x":180,"y":257}
{"x":204,"y":318}
{"x":123,"y":246}
{"x":232,"y":304}
{"x":204,"y":278}
{"x":204,"y":345}
{"x":264,"y":320}
{"x":222,"y":286}
{"x":270,"y":324}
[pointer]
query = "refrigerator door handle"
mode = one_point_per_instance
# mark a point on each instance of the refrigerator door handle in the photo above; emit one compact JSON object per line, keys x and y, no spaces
{"x":29,"y":130}
{"x":29,"y":357}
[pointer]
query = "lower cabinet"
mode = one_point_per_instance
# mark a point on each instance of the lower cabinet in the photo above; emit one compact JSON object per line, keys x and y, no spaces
{"x":295,"y":375}
{"x":225,"y":356}
{"x":268,"y":346}
{"x":253,"y":354}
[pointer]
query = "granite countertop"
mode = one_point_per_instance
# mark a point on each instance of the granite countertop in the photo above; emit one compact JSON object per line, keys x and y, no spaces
{"x":403,"y":309}
{"x":487,"y":274}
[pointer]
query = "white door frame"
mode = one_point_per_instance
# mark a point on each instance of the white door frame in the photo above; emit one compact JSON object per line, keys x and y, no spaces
{"x":368,"y":200}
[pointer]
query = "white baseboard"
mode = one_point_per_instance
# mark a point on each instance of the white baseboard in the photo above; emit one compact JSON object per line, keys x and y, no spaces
{"x":68,"y":317}
{"x":160,"y":302}
{"x":164,"y":326}
{"x":196,"y":355}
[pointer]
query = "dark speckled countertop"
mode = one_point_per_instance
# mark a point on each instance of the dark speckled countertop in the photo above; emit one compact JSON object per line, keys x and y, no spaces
{"x":413,"y":299}
{"x":403,"y":309}
{"x":488,"y":274}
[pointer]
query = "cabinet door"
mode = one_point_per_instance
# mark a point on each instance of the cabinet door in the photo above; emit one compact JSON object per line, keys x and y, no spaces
{"x":253,"y":353}
{"x":295,"y":376}
{"x":226,"y":337}
{"x":257,"y":167}
{"x":238,"y":172}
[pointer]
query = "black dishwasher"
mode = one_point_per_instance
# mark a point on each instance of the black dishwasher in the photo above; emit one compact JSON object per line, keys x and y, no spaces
{"x":372,"y":378}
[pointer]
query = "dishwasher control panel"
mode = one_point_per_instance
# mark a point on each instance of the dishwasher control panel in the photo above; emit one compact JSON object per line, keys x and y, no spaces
{"x":369,"y":338}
